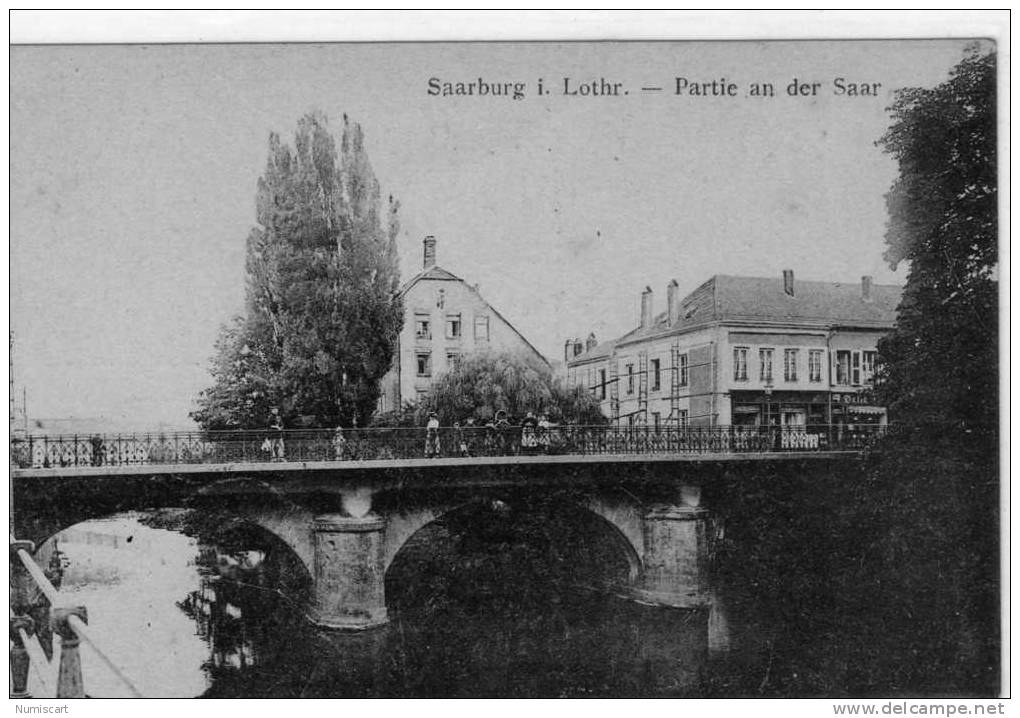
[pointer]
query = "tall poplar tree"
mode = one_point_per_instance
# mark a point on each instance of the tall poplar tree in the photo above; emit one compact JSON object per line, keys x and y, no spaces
{"x":322,"y":310}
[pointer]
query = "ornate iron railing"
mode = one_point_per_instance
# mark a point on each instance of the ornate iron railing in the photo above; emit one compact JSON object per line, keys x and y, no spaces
{"x":219,"y":447}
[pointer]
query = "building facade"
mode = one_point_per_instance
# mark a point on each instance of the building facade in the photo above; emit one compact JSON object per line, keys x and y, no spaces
{"x":445,"y":319}
{"x":745,"y":351}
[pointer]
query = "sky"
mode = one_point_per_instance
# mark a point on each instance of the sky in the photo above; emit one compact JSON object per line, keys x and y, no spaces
{"x":133,"y":172}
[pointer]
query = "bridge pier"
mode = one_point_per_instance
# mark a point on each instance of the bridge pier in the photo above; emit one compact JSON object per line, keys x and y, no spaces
{"x":348,"y":576}
{"x":679,"y":542}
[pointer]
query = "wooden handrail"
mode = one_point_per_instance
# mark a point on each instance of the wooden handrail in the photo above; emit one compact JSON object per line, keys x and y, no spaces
{"x":74,"y":622}
{"x":83,"y":631}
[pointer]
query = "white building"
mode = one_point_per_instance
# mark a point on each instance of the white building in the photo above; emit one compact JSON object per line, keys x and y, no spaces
{"x":745,"y":351}
{"x":445,"y":319}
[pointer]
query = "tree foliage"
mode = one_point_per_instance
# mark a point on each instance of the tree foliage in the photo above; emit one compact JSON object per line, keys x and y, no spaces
{"x":939,"y":365}
{"x":484,"y":383}
{"x":322,"y":312}
{"x":887,"y":582}
{"x":926,"y":509}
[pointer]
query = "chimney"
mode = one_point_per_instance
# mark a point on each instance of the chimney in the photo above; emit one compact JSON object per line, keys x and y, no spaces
{"x":672,"y":301}
{"x":788,"y":281}
{"x":866,"y":288}
{"x":430,"y":252}
{"x":646,"y":308}
{"x":568,"y":348}
{"x":590,"y":343}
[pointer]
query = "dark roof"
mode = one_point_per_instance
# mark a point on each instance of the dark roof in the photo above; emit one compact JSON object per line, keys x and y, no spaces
{"x":725,"y":298}
{"x":432,"y":272}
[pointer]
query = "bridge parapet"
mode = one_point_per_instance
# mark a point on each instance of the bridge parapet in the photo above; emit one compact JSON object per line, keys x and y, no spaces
{"x":381,"y":444}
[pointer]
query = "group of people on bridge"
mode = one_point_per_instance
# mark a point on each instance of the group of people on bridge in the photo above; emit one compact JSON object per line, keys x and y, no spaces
{"x":498,"y":436}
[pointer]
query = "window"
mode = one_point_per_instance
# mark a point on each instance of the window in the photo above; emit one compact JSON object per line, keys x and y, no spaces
{"x":843,"y":368}
{"x":656,"y":421}
{"x":630,"y":378}
{"x":868,"y":367}
{"x":482,"y":329}
{"x":740,"y":363}
{"x":855,"y":368}
{"x":765,"y":357}
{"x":452,"y":360}
{"x":815,"y":365}
{"x":681,"y":418}
{"x":656,"y":384}
{"x":683,"y":370}
{"x":422,"y":328}
{"x":790,"y":364}
{"x":453,"y":330}
{"x":424,"y":362}
{"x":602,"y":383}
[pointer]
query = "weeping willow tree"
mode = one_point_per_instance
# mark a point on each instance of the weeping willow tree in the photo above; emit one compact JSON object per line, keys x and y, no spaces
{"x":322,"y":312}
{"x":483,"y":384}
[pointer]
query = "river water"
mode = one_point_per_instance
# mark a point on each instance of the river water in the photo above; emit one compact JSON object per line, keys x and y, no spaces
{"x":192,"y":612}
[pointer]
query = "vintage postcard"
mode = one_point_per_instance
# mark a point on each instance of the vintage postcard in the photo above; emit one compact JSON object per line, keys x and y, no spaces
{"x":633,"y":365}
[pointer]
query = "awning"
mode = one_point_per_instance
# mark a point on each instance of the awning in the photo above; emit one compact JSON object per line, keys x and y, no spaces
{"x":871,"y":410}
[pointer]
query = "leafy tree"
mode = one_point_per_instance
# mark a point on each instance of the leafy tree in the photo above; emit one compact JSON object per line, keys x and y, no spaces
{"x":923,"y":573}
{"x":939,"y":363}
{"x":322,"y":309}
{"x":886,"y":583}
{"x":485,"y":383}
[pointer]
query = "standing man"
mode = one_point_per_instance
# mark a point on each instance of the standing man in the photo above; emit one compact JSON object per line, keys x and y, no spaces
{"x":277,"y":426}
{"x":432,"y":436}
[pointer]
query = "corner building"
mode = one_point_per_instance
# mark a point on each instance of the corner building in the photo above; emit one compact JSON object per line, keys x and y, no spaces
{"x":745,"y":351}
{"x":445,"y":318}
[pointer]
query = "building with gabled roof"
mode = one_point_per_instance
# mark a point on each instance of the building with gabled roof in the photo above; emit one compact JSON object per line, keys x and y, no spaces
{"x":445,"y":319}
{"x":745,"y":351}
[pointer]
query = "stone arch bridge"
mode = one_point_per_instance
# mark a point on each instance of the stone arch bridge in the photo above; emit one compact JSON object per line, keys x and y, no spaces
{"x":347,"y":520}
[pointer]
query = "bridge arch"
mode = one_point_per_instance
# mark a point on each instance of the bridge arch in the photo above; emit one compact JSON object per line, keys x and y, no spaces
{"x":617,"y":532}
{"x":252,"y":502}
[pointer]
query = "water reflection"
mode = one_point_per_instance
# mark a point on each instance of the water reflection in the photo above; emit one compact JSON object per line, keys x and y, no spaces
{"x":220,"y":613}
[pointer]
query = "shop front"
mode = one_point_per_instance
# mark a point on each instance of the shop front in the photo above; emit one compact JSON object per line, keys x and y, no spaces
{"x":857,"y":409}
{"x":779,"y":408}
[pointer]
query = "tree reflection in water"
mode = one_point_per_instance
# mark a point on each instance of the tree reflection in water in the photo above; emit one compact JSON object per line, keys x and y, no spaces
{"x":486,"y":602}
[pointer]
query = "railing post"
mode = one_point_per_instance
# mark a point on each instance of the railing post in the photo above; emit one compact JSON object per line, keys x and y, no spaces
{"x":20,"y":661}
{"x":70,"y":683}
{"x":21,"y":581}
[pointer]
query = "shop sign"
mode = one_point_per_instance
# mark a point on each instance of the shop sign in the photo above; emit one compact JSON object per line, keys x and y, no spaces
{"x":851,"y":398}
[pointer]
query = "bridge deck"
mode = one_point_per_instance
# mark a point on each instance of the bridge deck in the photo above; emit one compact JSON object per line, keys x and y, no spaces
{"x":381,"y":465}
